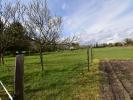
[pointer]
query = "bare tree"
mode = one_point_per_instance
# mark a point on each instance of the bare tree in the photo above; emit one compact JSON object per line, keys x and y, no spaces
{"x":42,"y":27}
{"x":69,"y":40}
{"x":8,"y":14}
{"x":54,"y":27}
{"x":4,"y":38}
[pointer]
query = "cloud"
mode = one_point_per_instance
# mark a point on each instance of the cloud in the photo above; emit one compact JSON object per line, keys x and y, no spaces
{"x":100,"y":21}
{"x":112,"y":35}
{"x":95,"y":20}
{"x":64,"y":6}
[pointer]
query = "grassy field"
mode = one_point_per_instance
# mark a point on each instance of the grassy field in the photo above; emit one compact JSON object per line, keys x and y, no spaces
{"x":65,"y":76}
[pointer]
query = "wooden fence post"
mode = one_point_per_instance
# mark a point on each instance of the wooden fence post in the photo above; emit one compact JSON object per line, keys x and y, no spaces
{"x":19,"y":76}
{"x":91,"y":54}
{"x":88,"y":57}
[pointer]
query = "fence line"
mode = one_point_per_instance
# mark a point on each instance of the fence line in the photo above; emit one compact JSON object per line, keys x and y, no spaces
{"x":11,"y":98}
{"x":90,"y":56}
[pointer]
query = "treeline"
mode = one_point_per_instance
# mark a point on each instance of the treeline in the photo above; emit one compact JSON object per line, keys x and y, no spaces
{"x":126,"y":42}
{"x":31,"y":27}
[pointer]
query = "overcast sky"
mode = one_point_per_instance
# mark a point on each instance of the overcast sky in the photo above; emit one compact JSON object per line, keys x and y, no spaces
{"x":95,"y":20}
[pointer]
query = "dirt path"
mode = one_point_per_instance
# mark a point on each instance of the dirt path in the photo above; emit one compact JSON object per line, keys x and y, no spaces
{"x":124,"y":70}
{"x":115,"y":85}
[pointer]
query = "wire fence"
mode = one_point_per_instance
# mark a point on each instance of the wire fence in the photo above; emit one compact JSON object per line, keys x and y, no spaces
{"x":109,"y":90}
{"x":16,"y":81}
{"x":8,"y":86}
{"x":8,"y":94}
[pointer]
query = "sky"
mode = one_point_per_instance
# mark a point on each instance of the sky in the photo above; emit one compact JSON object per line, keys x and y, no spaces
{"x":102,"y":21}
{"x":96,"y":20}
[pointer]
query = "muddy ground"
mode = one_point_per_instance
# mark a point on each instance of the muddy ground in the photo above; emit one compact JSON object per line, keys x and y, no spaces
{"x":117,"y":81}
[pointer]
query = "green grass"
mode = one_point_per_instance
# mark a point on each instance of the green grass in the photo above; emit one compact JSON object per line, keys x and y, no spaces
{"x":114,"y":53}
{"x":65,"y":76}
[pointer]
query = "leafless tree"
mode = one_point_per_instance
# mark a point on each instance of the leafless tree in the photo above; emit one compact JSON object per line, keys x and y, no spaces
{"x":42,"y":27}
{"x":9,"y":13}
{"x":4,"y":20}
{"x":69,"y":40}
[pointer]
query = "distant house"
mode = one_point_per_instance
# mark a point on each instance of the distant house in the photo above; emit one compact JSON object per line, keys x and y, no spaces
{"x":71,"y":48}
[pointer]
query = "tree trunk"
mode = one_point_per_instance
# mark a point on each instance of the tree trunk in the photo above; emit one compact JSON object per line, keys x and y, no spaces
{"x":41,"y":57}
{"x":1,"y":58}
{"x":29,"y":51}
{"x":54,"y":47}
{"x":3,"y":62}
